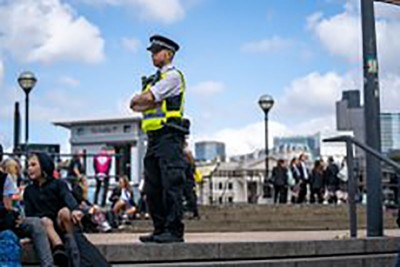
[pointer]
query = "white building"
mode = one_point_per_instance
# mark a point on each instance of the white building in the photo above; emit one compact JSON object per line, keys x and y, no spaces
{"x":233,"y":182}
{"x":121,"y":136}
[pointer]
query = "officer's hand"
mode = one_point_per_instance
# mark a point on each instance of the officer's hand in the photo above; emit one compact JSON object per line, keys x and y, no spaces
{"x":131,"y":103}
{"x":77,"y":216}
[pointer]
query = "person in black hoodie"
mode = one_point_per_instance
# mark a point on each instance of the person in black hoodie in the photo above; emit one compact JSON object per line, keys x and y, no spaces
{"x":50,"y":200}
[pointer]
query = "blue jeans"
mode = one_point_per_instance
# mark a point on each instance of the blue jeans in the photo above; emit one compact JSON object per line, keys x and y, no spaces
{"x":32,"y":227}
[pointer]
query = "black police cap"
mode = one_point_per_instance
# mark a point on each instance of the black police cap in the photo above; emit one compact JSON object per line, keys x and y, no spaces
{"x":158,"y":42}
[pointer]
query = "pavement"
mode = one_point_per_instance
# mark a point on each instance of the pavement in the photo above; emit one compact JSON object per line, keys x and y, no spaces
{"x":133,"y":238}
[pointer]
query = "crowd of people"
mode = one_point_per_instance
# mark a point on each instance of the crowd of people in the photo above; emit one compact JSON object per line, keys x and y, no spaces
{"x":51,"y":207}
{"x":47,"y":212}
{"x":295,"y":182}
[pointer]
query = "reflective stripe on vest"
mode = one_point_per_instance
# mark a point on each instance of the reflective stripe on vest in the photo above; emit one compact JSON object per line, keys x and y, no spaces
{"x":154,"y":119}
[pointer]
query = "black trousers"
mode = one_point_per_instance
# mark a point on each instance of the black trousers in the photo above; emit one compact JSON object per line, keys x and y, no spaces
{"x":317,"y":192}
{"x":280,"y":193}
{"x":105,"y":183}
{"x":302,"y":192}
{"x":164,"y":167}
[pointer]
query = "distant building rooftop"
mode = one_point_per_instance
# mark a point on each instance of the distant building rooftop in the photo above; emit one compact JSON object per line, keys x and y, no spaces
{"x":71,"y":123}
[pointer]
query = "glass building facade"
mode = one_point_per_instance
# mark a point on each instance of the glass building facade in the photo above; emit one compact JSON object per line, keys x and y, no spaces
{"x":390,"y":131}
{"x":306,"y":143}
{"x":210,"y":150}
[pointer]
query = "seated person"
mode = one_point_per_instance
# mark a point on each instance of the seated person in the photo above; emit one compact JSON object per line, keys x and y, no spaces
{"x":122,"y":198}
{"x":24,"y":227}
{"x":51,"y":201}
{"x":95,"y":217}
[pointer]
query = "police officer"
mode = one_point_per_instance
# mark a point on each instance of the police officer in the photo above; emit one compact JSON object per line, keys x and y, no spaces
{"x":161,"y":103}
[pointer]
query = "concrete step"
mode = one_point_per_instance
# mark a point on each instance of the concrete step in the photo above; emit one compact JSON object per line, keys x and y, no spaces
{"x":343,"y":252}
{"x":382,"y":260}
{"x":271,"y":218}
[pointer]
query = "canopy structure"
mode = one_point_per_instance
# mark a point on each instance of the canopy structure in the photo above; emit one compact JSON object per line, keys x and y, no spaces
{"x":394,"y":2}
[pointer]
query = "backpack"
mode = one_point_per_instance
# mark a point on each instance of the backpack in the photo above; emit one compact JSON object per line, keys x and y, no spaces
{"x":10,"y":249}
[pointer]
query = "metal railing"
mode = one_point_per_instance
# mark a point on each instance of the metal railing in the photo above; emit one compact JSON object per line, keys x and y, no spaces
{"x":352,"y":186}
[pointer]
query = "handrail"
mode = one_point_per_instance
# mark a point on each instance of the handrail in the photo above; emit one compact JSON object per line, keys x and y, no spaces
{"x":365,"y":147}
{"x":352,"y":186}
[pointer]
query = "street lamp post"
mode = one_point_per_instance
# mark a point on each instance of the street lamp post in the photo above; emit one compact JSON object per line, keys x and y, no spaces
{"x":27,"y":81}
{"x":266,"y":102}
{"x":372,"y":119}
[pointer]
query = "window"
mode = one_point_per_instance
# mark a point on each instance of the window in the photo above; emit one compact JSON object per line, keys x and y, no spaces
{"x":127,"y":128}
{"x":80,"y":131}
{"x":220,"y":201}
{"x":230,"y":199}
{"x":220,"y":186}
{"x":230,"y":186}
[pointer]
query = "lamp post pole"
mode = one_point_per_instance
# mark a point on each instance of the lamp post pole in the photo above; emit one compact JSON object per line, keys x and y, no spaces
{"x":266,"y":102}
{"x":27,"y":81}
{"x":372,"y":120}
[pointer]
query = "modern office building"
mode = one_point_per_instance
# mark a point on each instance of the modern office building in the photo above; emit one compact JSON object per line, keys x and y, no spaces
{"x":350,"y":117}
{"x":210,"y":150}
{"x":350,"y":114}
{"x":297,"y":144}
{"x":390,"y":131}
{"x":313,"y":145}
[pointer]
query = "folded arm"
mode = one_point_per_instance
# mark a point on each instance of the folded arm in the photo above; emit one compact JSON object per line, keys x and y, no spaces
{"x":143,"y":102}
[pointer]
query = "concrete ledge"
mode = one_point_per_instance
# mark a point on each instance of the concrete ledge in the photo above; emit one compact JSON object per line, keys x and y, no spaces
{"x":244,"y":251}
{"x":349,"y":261}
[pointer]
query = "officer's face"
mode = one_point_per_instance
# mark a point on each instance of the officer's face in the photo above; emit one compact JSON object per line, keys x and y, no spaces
{"x":161,"y":58}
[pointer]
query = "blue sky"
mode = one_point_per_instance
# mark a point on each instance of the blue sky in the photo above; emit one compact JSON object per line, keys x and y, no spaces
{"x":89,"y":56}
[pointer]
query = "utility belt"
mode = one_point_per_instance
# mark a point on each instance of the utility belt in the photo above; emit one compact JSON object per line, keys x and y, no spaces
{"x":173,"y":125}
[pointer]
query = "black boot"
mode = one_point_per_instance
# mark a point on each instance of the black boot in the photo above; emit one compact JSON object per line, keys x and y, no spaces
{"x":60,"y":257}
{"x":168,"y":237}
{"x":148,"y":238}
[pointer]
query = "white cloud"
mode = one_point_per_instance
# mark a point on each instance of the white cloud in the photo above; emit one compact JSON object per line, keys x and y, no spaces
{"x":251,"y":137}
{"x":273,"y":44}
{"x":313,"y":94}
{"x":390,"y":97}
{"x":132,"y":44}
{"x":48,"y":31}
{"x":207,"y":88}
{"x":341,"y":34}
{"x":313,"y":98}
{"x":166,"y":11}
{"x":246,"y":139}
{"x":69,"y":81}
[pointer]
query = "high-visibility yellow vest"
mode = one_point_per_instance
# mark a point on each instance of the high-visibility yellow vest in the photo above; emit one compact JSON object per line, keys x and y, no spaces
{"x":154,"y":119}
